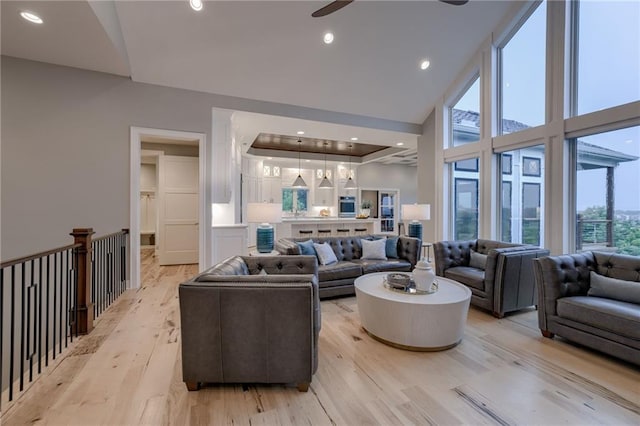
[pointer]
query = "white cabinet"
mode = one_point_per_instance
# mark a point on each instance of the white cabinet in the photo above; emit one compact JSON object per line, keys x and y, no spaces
{"x":272,"y":189}
{"x":323,"y":197}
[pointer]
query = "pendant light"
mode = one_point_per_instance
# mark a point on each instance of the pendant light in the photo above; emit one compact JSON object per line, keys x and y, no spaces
{"x":351,"y":184}
{"x":299,"y":182}
{"x":326,"y":183}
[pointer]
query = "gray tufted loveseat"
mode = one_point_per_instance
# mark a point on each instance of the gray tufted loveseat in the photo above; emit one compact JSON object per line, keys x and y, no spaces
{"x":337,"y":279}
{"x":504,"y":284}
{"x":239,"y":325}
{"x":568,"y":307}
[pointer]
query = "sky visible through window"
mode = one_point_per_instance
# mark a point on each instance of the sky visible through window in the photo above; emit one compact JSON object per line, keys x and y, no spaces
{"x":608,"y":75}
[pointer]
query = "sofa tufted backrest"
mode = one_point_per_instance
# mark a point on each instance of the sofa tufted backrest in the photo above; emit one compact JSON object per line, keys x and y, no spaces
{"x":234,"y":265}
{"x":620,"y":266}
{"x":287,"y":265}
{"x":449,"y":254}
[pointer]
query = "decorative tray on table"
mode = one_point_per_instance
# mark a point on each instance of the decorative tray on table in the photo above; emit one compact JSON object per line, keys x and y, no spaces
{"x":402,"y":283}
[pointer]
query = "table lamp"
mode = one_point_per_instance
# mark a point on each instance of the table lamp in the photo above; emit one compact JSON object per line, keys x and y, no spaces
{"x":415,"y":213}
{"x":265,"y":214}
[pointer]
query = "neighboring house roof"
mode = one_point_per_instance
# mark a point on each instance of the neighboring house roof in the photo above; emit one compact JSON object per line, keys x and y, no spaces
{"x":590,"y":156}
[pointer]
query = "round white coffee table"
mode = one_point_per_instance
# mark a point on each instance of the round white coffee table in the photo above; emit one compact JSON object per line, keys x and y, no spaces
{"x":426,"y":322}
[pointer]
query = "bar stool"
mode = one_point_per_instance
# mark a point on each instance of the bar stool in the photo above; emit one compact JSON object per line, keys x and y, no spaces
{"x":343,"y":231}
{"x":306,"y":232}
{"x":360,"y":231}
{"x":324,"y":232}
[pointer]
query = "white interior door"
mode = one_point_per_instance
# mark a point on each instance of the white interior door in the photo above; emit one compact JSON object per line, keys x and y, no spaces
{"x":178,"y":210}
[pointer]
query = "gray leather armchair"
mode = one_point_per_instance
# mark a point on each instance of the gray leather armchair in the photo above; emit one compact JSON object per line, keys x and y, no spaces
{"x":505,"y":284}
{"x":242,"y":326}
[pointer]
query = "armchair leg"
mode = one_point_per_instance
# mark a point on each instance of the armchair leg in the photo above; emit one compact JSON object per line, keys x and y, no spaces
{"x":498,"y":315}
{"x":192,"y":386}
{"x":547,"y":333}
{"x":303,"y":387}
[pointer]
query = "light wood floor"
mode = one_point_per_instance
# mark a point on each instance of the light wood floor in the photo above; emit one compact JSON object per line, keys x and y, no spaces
{"x":127,"y":371}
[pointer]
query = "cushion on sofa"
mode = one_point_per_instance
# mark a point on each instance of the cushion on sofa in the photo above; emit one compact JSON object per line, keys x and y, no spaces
{"x":622,"y":318}
{"x":339,"y":271}
{"x":478,"y":260}
{"x":391,"y":248}
{"x":325,"y":253}
{"x":306,"y":248}
{"x":473,"y":277}
{"x":374,"y":250}
{"x":613,"y":288}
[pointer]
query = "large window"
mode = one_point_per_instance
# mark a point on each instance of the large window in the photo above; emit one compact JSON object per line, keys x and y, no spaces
{"x":464,"y":116}
{"x":522,"y":66}
{"x":608,"y":54}
{"x":522,"y":182}
{"x":294,"y":200}
{"x":607,"y":167}
{"x":465,"y":199}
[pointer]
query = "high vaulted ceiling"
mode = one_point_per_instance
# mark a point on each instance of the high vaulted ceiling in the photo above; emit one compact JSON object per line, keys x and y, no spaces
{"x":267,"y":50}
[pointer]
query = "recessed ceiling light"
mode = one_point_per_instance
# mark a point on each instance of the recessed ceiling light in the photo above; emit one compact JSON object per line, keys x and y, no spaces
{"x":31,"y":17}
{"x":308,"y":161}
{"x":269,"y":158}
{"x":354,"y":139}
{"x":424,"y":64}
{"x":399,"y":143}
{"x":328,"y":38}
{"x":196,"y":5}
{"x":300,"y":132}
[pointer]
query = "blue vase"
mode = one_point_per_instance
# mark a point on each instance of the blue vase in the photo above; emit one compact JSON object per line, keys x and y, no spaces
{"x":415,"y":230}
{"x":264,"y":239}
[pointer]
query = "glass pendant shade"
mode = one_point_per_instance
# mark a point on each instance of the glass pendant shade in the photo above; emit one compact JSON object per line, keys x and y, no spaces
{"x":351,"y":184}
{"x":299,"y":182}
{"x":325,"y":183}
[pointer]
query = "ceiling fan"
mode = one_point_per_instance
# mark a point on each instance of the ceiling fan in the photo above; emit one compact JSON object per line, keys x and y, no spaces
{"x":339,"y":4}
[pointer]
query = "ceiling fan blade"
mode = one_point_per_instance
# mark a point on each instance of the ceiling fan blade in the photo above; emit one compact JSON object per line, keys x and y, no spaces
{"x":330,"y":8}
{"x":455,"y":2}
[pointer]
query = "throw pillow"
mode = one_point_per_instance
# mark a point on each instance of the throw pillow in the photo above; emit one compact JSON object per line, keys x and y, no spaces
{"x":306,"y":248}
{"x":613,"y":288}
{"x":325,"y":253}
{"x":374,"y":250}
{"x":262,"y":272}
{"x":391,"y":248}
{"x":478,"y":260}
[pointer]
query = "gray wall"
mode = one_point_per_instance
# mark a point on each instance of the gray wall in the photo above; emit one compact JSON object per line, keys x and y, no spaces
{"x":390,"y":176}
{"x":65,"y":148}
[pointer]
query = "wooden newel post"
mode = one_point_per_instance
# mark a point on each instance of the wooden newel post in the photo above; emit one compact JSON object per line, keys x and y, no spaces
{"x":84,"y":308}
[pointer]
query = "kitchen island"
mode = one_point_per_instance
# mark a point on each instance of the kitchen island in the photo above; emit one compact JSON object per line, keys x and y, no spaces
{"x":291,"y":226}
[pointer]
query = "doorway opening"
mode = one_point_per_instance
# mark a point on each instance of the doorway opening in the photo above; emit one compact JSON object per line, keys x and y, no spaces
{"x":167,"y":198}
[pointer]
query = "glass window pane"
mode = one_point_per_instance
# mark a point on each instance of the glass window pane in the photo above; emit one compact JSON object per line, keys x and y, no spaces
{"x":608,"y":54}
{"x":301,"y":198}
{"x":287,"y":199}
{"x":522,"y":196}
{"x":523,"y":74}
{"x":465,"y":200}
{"x":465,"y":117}
{"x":607,"y":197}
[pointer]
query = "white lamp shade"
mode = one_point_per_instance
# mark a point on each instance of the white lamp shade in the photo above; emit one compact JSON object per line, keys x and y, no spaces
{"x":416,"y":212}
{"x":264,"y":212}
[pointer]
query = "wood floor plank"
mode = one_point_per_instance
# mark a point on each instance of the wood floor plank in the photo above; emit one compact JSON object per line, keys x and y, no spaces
{"x":128,"y":371}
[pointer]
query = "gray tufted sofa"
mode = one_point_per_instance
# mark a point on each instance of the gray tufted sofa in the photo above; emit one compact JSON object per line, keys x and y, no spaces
{"x":505,"y":284}
{"x":565,"y":307}
{"x":240,"y":326}
{"x":337,"y":279}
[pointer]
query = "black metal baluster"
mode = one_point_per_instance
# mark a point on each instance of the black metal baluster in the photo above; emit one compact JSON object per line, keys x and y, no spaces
{"x":30,"y":328}
{"x":61,"y":303}
{"x":68,"y":300}
{"x":110,"y":274}
{"x":24,"y":287}
{"x":74,"y":285}
{"x":40,"y":316}
{"x":93,"y":279}
{"x":46,"y":329}
{"x":55,"y":301}
{"x":12,"y":330}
